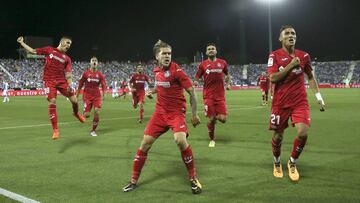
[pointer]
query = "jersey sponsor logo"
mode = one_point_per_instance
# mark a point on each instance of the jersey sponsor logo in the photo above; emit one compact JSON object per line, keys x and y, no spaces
{"x":297,"y":70}
{"x":139,"y":81}
{"x":93,"y":80}
{"x":57,"y":58}
{"x":208,"y":71}
{"x":162,"y":84}
{"x":270,"y":62}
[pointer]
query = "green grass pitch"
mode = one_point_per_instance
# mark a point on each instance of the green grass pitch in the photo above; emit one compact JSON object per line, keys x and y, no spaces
{"x":79,"y":168}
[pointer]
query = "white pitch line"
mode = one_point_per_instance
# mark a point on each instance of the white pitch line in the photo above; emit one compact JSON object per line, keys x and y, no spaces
{"x":16,"y":197}
{"x":109,"y":119}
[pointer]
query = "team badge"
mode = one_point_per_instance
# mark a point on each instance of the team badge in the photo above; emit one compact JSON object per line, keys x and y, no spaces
{"x":167,"y":73}
{"x":219,"y":65}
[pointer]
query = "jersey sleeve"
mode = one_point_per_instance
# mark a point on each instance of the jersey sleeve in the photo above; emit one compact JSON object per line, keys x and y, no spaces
{"x":184,"y":80}
{"x":273,"y":66}
{"x":103,"y":83}
{"x":43,"y":51}
{"x":307,"y":66}
{"x":131,"y":81}
{"x":200,"y":71}
{"x":68,"y":65}
{"x":226,"y":69}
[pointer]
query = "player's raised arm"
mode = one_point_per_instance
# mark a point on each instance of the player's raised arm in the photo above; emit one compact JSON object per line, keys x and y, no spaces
{"x":195,"y":120}
{"x":20,"y":40}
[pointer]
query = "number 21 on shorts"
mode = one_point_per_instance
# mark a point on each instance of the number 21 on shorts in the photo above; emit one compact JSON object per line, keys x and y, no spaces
{"x":275,"y":119}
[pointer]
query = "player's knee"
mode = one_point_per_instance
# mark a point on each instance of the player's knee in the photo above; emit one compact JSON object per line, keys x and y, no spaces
{"x":278,"y":136}
{"x":221,"y":118}
{"x":180,"y":141}
{"x":52,"y":101}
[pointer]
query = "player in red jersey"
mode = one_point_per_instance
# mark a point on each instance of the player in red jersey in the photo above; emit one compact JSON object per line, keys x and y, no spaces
{"x":213,"y":71}
{"x":57,"y":77}
{"x":123,"y":85}
{"x":264,"y":83}
{"x":137,"y":87}
{"x":91,"y":80}
{"x":170,"y":82}
{"x":286,"y":67}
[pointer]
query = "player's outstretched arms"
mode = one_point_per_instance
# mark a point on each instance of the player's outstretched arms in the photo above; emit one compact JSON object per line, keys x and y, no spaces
{"x":20,"y":40}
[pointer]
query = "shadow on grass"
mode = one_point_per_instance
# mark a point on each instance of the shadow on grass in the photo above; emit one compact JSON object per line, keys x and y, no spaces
{"x":73,"y":142}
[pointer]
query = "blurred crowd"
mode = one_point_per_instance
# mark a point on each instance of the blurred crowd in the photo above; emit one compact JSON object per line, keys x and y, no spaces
{"x":27,"y":73}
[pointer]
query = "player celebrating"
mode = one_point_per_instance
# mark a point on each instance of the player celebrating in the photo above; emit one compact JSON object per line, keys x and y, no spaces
{"x":137,"y":85}
{"x":92,"y":79}
{"x":264,"y":83}
{"x":286,"y":67}
{"x":5,"y":92}
{"x":57,"y":77}
{"x":213,"y":70}
{"x":123,"y":85}
{"x":170,"y":110}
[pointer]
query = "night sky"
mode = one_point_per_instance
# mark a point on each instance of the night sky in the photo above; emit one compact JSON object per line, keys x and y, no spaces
{"x":120,"y":30}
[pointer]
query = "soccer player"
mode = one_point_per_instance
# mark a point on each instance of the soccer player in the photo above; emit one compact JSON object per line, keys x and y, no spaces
{"x":91,"y":80}
{"x":170,"y":82}
{"x":123,"y":85}
{"x":115,"y":89}
{"x":137,"y":85}
{"x":286,"y":68}
{"x":264,"y":83}
{"x":57,"y":77}
{"x":213,"y":70}
{"x":5,"y":92}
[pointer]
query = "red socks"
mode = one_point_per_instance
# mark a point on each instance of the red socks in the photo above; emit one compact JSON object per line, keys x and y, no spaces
{"x":211,"y":130}
{"x":53,"y":116}
{"x":95,"y":122}
{"x":298,"y":147}
{"x":188,"y":159}
{"x":138,"y":164}
{"x":276,"y":147}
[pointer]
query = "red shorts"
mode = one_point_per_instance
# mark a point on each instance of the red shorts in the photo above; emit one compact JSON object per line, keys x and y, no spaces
{"x":138,"y":97}
{"x":264,"y":89}
{"x":51,"y":88}
{"x":89,"y":103}
{"x":279,"y":117}
{"x":160,"y":123}
{"x":214,"y":107}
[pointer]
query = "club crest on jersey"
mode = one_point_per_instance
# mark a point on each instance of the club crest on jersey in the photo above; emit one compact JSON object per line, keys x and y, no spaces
{"x":218,"y":65}
{"x":167,"y":74}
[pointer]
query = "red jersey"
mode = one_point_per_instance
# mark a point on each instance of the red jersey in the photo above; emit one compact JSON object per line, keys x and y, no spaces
{"x":289,"y":92}
{"x":138,"y":81}
{"x":263,"y":82}
{"x":92,"y":81}
{"x":170,"y":83}
{"x":213,"y":73}
{"x":56,"y":64}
